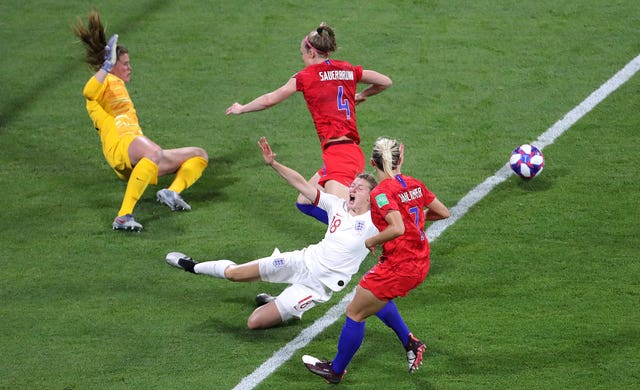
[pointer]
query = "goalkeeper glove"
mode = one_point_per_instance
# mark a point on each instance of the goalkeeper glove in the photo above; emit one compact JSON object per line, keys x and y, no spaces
{"x":110,"y":54}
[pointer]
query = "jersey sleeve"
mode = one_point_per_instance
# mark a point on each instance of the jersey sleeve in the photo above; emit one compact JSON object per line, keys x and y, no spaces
{"x":428,"y":195}
{"x":328,"y":202}
{"x":92,"y":92}
{"x":357,"y":73}
{"x":300,"y":78}
{"x":94,"y":89}
{"x":385,"y":202}
{"x":315,"y":202}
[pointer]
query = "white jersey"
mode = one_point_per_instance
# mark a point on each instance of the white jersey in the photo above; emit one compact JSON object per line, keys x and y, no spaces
{"x":339,"y":255}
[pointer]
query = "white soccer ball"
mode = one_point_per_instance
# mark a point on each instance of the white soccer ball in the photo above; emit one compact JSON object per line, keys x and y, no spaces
{"x":527,"y":161}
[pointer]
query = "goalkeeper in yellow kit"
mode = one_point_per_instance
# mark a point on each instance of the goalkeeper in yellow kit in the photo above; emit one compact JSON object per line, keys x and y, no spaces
{"x":134,"y":157}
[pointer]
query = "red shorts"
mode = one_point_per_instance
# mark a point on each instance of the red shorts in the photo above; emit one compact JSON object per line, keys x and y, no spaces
{"x":342,"y":163}
{"x":388,"y":280}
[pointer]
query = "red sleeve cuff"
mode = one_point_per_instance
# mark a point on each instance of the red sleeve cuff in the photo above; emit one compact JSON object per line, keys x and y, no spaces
{"x":315,"y":202}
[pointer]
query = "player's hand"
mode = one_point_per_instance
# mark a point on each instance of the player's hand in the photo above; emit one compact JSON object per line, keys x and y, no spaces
{"x":110,"y":53}
{"x":372,"y":247}
{"x":235,"y":108}
{"x":360,"y":98}
{"x":267,"y":153}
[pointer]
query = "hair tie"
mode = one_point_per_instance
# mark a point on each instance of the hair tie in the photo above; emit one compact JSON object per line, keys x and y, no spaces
{"x":306,"y":40}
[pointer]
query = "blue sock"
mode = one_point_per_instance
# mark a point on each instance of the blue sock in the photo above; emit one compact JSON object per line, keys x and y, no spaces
{"x":350,"y":340}
{"x":391,"y":317}
{"x":314,"y":211}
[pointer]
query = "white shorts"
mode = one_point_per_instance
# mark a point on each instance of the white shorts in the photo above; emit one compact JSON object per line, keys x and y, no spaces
{"x":304,"y":290}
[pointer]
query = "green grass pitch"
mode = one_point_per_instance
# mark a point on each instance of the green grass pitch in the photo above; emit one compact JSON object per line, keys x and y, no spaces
{"x":536,"y":287}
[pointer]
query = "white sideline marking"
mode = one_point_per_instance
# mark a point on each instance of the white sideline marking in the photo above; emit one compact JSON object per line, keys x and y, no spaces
{"x":436,"y":228}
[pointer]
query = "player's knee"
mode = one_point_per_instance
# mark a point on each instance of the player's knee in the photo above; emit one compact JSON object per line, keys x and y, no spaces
{"x":231,"y":273}
{"x":357,"y":316}
{"x":153,"y":153}
{"x":253,"y":323}
{"x":199,"y":152}
{"x":260,"y":321}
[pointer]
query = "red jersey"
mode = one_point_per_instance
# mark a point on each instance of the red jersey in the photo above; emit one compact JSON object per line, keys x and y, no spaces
{"x":409,"y":196}
{"x":329,"y":88}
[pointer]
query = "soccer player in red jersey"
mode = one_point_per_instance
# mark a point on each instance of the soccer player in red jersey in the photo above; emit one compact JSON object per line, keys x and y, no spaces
{"x":329,"y":88}
{"x":400,"y":205}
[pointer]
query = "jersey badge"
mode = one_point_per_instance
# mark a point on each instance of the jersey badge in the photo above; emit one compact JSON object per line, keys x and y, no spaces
{"x":278,"y":262}
{"x":382,"y":200}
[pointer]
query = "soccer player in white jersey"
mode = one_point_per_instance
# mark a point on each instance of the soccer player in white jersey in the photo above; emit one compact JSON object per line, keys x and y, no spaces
{"x":313,"y":273}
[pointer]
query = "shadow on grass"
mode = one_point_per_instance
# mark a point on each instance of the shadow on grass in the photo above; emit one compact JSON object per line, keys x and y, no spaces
{"x":57,"y":76}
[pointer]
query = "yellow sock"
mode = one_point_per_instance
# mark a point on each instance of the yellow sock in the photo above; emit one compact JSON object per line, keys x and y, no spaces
{"x":144,"y":173}
{"x":188,"y":173}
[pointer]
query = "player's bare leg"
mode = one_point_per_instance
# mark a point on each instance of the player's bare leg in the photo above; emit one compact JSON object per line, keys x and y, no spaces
{"x":265,"y":316}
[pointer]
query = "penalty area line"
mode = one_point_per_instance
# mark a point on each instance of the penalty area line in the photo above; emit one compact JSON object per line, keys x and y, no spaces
{"x":437,"y":228}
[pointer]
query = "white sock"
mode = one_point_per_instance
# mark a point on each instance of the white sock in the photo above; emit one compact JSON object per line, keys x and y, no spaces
{"x":213,"y":268}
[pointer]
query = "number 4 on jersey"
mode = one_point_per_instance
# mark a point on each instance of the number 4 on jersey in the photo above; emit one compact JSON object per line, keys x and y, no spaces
{"x":343,"y":105}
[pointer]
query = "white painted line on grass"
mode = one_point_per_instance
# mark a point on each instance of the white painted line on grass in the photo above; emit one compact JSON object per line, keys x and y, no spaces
{"x":304,"y":338}
{"x":545,"y":139}
{"x":436,"y":228}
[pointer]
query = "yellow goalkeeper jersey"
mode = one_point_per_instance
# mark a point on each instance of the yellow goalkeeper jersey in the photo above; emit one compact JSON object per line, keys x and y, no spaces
{"x":113,"y":115}
{"x":111,"y":98}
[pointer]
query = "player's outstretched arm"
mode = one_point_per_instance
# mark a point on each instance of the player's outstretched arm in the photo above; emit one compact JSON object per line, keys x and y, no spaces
{"x":264,"y":101}
{"x":295,"y":179}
